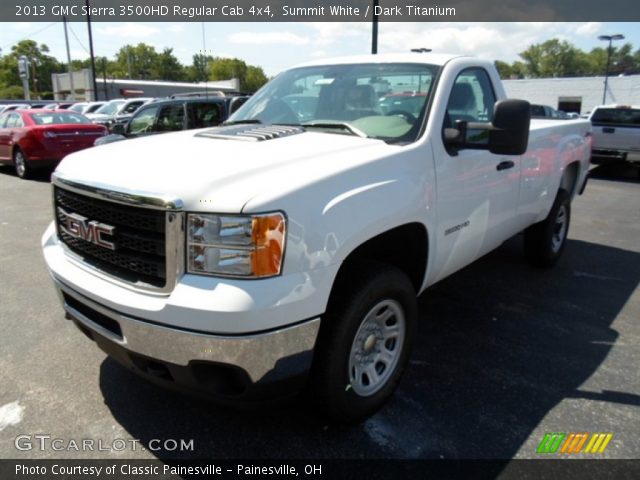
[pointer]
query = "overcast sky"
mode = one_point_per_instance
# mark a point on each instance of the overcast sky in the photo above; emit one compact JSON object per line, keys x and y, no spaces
{"x":276,"y":46}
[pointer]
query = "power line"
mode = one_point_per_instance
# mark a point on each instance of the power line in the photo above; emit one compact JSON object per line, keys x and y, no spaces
{"x":78,"y":40}
{"x":28,"y":37}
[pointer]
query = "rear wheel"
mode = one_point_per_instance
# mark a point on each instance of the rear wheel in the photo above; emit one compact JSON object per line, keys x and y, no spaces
{"x":545,"y":241}
{"x":23,"y":169}
{"x":365,"y":341}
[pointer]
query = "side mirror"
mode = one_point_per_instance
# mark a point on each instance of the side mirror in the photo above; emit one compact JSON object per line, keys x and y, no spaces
{"x":508,"y":134}
{"x":118,"y":128}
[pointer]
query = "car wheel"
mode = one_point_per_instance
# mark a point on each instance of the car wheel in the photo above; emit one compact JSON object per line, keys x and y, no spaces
{"x":23,"y":170}
{"x":545,"y":241}
{"x":365,"y":341}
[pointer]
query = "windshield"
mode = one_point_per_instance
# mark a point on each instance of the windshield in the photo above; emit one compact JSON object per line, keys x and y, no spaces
{"x":385,"y":101}
{"x":110,"y":108}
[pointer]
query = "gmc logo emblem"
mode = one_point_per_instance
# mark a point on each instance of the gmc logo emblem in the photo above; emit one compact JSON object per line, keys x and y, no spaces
{"x":90,"y":231}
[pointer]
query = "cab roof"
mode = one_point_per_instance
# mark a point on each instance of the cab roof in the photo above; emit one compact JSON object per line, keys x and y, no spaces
{"x":412,"y":57}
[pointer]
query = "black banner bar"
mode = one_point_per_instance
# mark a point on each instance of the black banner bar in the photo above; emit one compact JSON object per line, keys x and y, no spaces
{"x":319,"y":10}
{"x":371,"y":469}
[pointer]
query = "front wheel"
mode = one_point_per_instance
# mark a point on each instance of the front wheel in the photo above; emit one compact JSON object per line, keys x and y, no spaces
{"x":365,"y":341}
{"x":545,"y":241}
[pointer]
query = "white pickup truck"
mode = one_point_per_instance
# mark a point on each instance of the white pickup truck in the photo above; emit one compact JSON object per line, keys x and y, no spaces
{"x":287,"y":247}
{"x":616,"y":133}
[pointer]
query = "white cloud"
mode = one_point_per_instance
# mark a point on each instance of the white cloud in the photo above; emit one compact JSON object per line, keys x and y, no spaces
{"x":129,"y":30}
{"x":267,"y":38}
{"x":330,"y":33}
{"x":588,"y":29}
{"x":501,"y":41}
{"x":176,"y":28}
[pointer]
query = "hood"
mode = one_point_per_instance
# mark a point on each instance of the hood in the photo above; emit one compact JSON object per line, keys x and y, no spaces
{"x":210,"y":172}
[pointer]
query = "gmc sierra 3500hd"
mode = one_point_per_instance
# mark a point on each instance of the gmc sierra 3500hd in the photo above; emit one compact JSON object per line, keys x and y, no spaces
{"x":287,"y":247}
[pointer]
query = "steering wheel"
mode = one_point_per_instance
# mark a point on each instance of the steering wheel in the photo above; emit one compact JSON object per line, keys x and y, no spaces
{"x":409,"y":117}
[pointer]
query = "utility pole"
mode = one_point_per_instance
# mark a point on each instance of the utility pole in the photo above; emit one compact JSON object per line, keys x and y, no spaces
{"x":23,"y":71}
{"x":609,"y":38}
{"x":70,"y":68}
{"x":93,"y":59}
{"x":374,"y":29}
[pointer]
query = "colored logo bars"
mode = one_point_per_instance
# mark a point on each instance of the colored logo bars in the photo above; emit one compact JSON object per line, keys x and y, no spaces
{"x":572,"y":443}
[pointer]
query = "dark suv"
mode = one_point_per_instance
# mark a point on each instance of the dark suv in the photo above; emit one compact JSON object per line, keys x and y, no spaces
{"x":174,"y":114}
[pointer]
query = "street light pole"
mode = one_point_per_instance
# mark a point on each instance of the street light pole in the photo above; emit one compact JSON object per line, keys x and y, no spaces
{"x":374,"y":28}
{"x":610,"y":39}
{"x":93,"y":58}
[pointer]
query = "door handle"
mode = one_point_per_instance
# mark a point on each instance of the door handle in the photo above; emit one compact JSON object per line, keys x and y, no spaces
{"x":608,"y":130}
{"x":504,"y":165}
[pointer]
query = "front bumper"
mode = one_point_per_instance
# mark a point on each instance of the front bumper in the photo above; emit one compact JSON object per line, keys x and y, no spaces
{"x":226,"y":367}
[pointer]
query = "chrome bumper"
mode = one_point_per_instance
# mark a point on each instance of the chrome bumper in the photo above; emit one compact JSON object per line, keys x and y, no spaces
{"x":259,"y":355}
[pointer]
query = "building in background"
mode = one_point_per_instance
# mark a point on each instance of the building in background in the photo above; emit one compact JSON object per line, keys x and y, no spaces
{"x":111,"y":88}
{"x":579,"y":94}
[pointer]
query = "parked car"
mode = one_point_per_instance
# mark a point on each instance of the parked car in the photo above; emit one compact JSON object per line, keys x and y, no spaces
{"x":270,"y":252}
{"x":109,"y":109}
{"x":58,"y":106}
{"x":92,"y":107}
{"x":31,"y":139}
{"x":616,"y":133}
{"x":79,"y":107}
{"x":15,"y":106}
{"x":122,"y":114}
{"x":545,"y":111}
{"x":173,"y":115}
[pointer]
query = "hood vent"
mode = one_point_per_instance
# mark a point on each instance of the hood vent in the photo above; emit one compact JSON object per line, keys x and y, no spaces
{"x":251,"y":133}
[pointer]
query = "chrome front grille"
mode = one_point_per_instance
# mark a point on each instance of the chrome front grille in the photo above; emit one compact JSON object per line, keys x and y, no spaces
{"x":139,"y":238}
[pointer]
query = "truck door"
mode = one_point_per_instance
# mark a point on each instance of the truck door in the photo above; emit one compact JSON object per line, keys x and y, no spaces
{"x":477,"y":190}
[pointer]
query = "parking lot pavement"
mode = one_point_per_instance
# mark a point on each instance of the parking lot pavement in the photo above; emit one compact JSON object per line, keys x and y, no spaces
{"x":504,"y":354}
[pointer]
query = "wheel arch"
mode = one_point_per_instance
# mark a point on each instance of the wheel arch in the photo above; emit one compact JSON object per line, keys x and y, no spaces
{"x":405,"y":247}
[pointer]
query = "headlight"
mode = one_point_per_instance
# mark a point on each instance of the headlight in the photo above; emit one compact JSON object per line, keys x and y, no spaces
{"x":235,"y":245}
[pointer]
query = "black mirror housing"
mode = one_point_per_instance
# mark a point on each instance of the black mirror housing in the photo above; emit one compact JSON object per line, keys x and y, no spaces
{"x":509,"y":134}
{"x":118,"y":128}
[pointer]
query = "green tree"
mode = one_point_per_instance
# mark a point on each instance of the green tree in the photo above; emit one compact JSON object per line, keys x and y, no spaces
{"x":198,"y":71}
{"x":554,"y":58}
{"x":136,"y":62}
{"x":504,"y":69}
{"x":250,"y":77}
{"x":254,"y":79}
{"x":227,"y":68}
{"x":167,"y":67}
{"x":42,"y":66}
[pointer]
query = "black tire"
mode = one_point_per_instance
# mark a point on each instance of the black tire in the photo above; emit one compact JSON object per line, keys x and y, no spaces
{"x":21,"y":164}
{"x":339,"y":358}
{"x":545,"y":241}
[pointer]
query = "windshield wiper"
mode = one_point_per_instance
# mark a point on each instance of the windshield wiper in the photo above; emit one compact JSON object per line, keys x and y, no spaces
{"x":239,"y":122}
{"x":336,"y":125}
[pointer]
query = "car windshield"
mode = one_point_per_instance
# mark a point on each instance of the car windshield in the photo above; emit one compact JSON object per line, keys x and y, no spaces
{"x":59,"y":118}
{"x":385,"y":101}
{"x":110,"y":108}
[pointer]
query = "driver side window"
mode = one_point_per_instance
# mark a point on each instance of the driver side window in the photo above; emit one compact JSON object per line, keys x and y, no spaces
{"x":143,"y":122}
{"x":471,"y":98}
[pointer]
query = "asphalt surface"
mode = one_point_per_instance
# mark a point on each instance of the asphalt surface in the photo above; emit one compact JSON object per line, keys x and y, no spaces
{"x":504,"y":354}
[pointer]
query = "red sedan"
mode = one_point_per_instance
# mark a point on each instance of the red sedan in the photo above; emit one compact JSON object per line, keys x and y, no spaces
{"x":31,"y":139}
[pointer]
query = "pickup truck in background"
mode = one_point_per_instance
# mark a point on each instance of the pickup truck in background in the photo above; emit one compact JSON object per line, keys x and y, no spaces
{"x":286,"y":248}
{"x":616,"y":134}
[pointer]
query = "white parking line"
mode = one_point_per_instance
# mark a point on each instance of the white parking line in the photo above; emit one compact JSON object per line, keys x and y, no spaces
{"x":10,"y":414}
